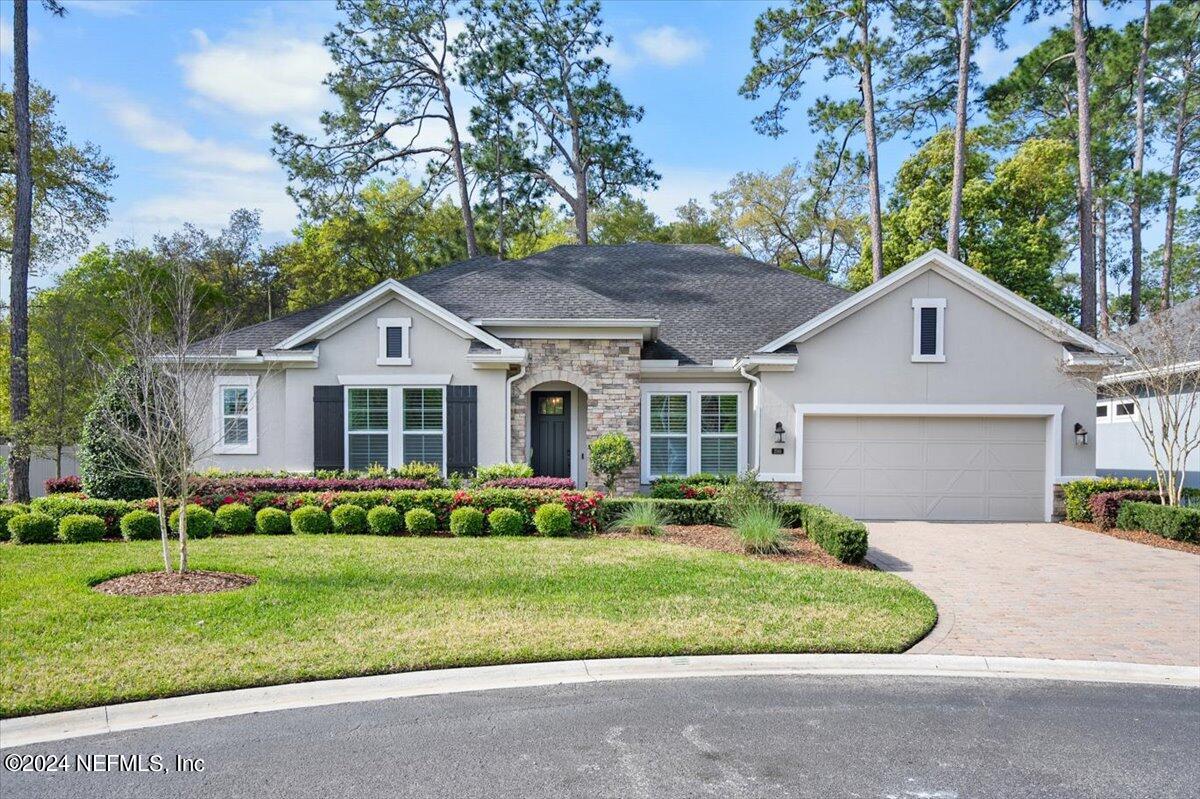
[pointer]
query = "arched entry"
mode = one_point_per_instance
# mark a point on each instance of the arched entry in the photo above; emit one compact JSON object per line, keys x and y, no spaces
{"x":552,"y":417}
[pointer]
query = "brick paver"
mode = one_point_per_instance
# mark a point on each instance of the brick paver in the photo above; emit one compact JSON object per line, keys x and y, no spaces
{"x":1047,"y":590}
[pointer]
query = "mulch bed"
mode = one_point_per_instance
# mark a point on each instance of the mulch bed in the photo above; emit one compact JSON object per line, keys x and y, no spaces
{"x":160,"y":583}
{"x":1139,"y":537}
{"x":723,"y":539}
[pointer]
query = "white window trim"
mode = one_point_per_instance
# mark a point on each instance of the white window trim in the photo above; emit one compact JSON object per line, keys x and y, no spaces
{"x":703,"y":435}
{"x":399,"y":408}
{"x":346,"y":426}
{"x":918,"y":304}
{"x":250,"y":383}
{"x":686,"y":435}
{"x":405,"y":359}
{"x":395,"y":431}
{"x":694,"y":390}
{"x":1108,"y":417}
{"x":1126,"y":417}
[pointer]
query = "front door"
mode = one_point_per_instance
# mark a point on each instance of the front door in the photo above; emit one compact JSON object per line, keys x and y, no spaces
{"x":551,"y":433}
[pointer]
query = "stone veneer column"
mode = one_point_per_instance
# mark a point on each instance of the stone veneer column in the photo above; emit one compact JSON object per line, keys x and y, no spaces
{"x":607,"y":370}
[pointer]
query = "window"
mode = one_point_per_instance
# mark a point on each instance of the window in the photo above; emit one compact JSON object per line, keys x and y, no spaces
{"x":668,"y":434}
{"x":393,"y":342}
{"x":235,"y":424}
{"x":366,"y":428}
{"x":929,"y":326}
{"x":1102,"y":411}
{"x":719,"y":433}
{"x":551,"y":406}
{"x":1124,"y":410}
{"x":423,"y":431}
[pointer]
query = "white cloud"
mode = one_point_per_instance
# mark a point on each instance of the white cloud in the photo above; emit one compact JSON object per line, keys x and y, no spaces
{"x":616,"y":56}
{"x":669,"y":46}
{"x":260,"y":74}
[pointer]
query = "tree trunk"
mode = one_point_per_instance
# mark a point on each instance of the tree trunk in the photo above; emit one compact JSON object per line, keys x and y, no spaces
{"x":1139,"y":153}
{"x":1102,"y":264}
{"x":960,"y":131}
{"x":58,"y":448}
{"x":183,"y":533}
{"x":580,"y":206}
{"x":460,"y":175}
{"x":1087,"y":245}
{"x":868,"y":95}
{"x":18,"y":371}
{"x":1173,"y":189}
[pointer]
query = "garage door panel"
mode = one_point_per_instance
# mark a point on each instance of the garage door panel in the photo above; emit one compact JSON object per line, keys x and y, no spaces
{"x":944,"y":468}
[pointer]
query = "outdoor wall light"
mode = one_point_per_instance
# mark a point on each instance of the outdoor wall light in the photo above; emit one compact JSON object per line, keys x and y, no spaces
{"x":779,"y":431}
{"x":1080,"y":435}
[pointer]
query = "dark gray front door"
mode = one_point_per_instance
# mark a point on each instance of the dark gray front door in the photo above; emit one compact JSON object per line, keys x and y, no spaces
{"x":551,"y":433}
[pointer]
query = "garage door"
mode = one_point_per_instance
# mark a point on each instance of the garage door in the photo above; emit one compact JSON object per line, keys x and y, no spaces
{"x":954,"y":469}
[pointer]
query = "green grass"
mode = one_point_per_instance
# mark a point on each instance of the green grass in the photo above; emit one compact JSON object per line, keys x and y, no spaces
{"x":336,"y":606}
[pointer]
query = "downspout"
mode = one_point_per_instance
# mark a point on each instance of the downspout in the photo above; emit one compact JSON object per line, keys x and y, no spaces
{"x":508,"y":389}
{"x":757,"y":385}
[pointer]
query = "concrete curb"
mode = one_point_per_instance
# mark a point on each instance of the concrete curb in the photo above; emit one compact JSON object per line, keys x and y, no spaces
{"x":177,"y":710}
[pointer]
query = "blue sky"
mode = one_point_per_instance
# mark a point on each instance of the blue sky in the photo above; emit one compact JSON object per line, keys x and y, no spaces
{"x":181,"y":95}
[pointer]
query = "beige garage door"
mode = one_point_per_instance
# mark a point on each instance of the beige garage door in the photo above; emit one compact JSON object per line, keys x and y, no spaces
{"x":954,"y":469}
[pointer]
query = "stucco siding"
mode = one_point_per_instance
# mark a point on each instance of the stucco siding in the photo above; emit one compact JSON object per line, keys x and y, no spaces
{"x":1119,"y":448}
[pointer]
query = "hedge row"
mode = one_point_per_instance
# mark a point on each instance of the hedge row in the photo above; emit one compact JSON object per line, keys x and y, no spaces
{"x":1078,"y":494}
{"x":840,"y":536}
{"x":1169,"y":521}
{"x":1107,"y":504}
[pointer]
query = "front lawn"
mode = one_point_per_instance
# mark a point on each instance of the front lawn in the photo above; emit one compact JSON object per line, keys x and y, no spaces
{"x":338,"y":606}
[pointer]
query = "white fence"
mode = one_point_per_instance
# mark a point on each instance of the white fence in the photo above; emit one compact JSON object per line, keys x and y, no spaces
{"x":42,"y":466}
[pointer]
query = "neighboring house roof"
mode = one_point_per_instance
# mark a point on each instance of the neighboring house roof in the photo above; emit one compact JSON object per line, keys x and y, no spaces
{"x":1169,"y":338}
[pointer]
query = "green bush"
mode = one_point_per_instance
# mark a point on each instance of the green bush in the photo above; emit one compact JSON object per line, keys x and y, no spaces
{"x":104,"y":466}
{"x":840,"y":536}
{"x":80,"y":528}
{"x":32,"y":528}
{"x":641,"y":518}
{"x":1169,"y":521}
{"x":140,"y":525}
{"x":674,"y":511}
{"x":7,"y":511}
{"x":349,"y":520}
{"x":609,"y":455}
{"x":56,"y":506}
{"x":272,"y":521}
{"x":234,"y":519}
{"x":1078,"y":494}
{"x":311,"y":521}
{"x":760,"y":528}
{"x":506,"y":521}
{"x":467,"y":521}
{"x":384,"y":520}
{"x":419,"y":521}
{"x":200,"y":521}
{"x":431,"y":473}
{"x":502,"y":471}
{"x":553,"y":518}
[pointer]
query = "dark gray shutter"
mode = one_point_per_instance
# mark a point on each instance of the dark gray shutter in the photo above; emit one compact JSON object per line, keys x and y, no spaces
{"x":462,"y":429}
{"x":929,"y":331}
{"x":395,"y":342}
{"x":329,"y":427}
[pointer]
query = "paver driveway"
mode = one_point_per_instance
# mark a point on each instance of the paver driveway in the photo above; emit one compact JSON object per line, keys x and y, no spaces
{"x":1047,"y":590}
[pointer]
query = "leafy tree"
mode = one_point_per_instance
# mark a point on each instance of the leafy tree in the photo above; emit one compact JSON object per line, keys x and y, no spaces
{"x":63,"y":374}
{"x":547,"y":230}
{"x":393,"y":84}
{"x":534,"y":62}
{"x":625,"y":220}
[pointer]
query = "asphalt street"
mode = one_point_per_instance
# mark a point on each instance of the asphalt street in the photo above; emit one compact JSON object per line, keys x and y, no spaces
{"x":929,"y":738}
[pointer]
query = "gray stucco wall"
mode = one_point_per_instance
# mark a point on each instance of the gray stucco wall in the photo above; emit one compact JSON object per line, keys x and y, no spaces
{"x":991,"y":358}
{"x":1119,"y":448}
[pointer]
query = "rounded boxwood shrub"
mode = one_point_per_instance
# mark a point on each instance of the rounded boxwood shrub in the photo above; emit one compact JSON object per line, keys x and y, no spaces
{"x":104,"y":467}
{"x":419,"y":521}
{"x":311,"y":520}
{"x":553,"y":518}
{"x":384,"y":520}
{"x":234,"y":519}
{"x":349,"y":520}
{"x":31,"y":528}
{"x":272,"y":521}
{"x":200,"y":521}
{"x":7,"y":512}
{"x":506,"y":521}
{"x":140,"y":525}
{"x":466,"y":521}
{"x":80,"y":528}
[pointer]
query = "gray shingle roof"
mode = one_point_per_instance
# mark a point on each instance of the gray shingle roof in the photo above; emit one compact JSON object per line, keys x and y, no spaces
{"x":1180,"y":325}
{"x":711,"y":303}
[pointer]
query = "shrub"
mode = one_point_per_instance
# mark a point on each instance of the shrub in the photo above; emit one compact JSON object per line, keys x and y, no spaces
{"x":63,"y":485}
{"x":80,"y":528}
{"x":140,"y":525}
{"x":506,"y":521}
{"x":502,"y":471}
{"x":429,"y":473}
{"x":200,"y":521}
{"x":553,"y":518}
{"x":1169,"y":521}
{"x":234,"y":519}
{"x":642,"y":518}
{"x":349,"y":520}
{"x":609,"y":455}
{"x":467,"y":521}
{"x":1077,"y":494}
{"x":8,"y":511}
{"x":760,"y":528}
{"x":745,"y":490}
{"x":272,"y":521}
{"x":384,"y":520}
{"x":840,"y":536}
{"x":674,"y":511}
{"x":104,"y":467}
{"x":31,"y":528}
{"x":666,"y":488}
{"x":237,"y":484}
{"x":419,"y":521}
{"x":1105,"y":505}
{"x":311,"y":521}
{"x":57,"y":506}
{"x":550,"y":483}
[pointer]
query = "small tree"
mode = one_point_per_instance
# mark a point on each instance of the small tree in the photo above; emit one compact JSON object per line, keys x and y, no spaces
{"x":610,"y":454}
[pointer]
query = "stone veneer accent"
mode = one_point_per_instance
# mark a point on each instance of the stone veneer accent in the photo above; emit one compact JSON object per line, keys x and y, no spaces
{"x":789,"y":492}
{"x":607,"y":370}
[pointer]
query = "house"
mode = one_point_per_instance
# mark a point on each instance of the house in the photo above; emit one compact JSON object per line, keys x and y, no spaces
{"x":1127,"y":407}
{"x":933,"y":394}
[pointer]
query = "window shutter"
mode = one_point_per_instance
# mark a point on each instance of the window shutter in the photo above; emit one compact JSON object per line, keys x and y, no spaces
{"x":395,"y":342}
{"x":329,"y":427}
{"x":929,"y":331}
{"x":462,"y":429}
